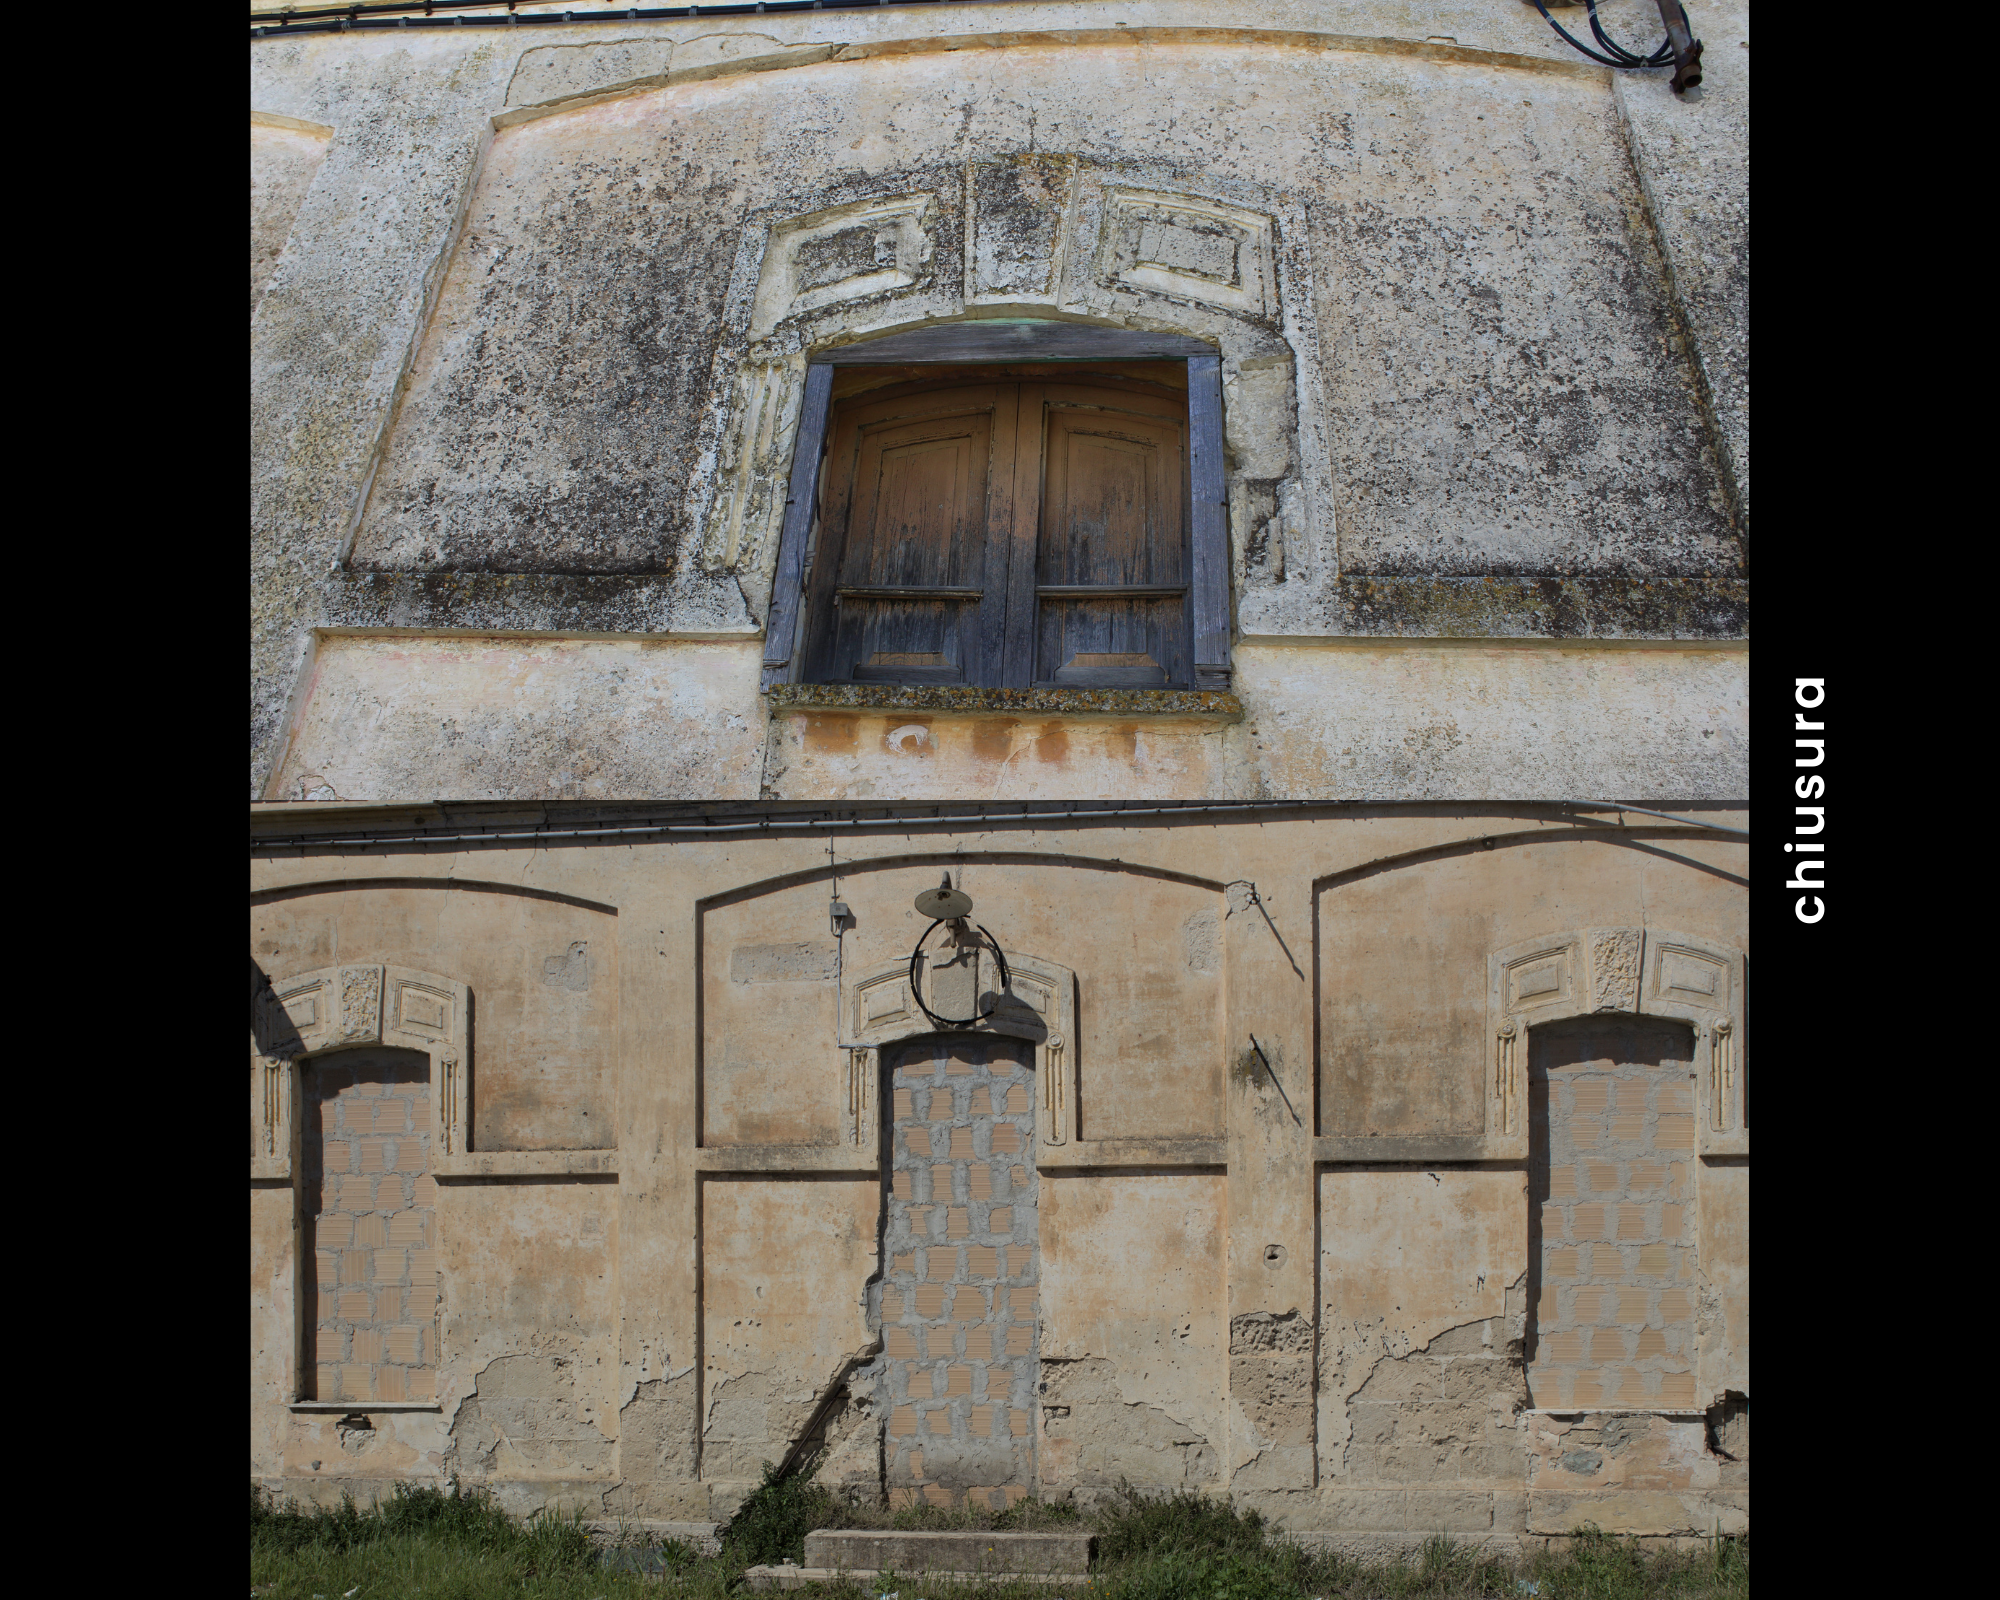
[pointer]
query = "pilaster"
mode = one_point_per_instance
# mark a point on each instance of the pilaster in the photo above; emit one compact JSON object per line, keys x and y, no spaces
{"x":1271,"y":1235}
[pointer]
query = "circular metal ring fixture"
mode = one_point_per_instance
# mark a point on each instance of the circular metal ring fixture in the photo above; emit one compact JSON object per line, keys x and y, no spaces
{"x":946,"y":904}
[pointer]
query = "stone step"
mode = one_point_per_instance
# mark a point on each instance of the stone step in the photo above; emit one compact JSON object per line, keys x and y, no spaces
{"x":628,"y":1532}
{"x":878,"y":1549}
{"x":788,"y":1577}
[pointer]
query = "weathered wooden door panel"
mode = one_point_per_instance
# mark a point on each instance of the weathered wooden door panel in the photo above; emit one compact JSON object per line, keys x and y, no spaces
{"x":1111,"y":562}
{"x":918,"y":524}
{"x":903,"y":586}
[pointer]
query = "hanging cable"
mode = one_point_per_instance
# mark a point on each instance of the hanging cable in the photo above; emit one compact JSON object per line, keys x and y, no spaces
{"x":388,"y":14}
{"x":1680,"y":49}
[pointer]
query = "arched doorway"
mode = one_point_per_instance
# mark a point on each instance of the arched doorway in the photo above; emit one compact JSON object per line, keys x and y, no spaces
{"x":959,"y":1301}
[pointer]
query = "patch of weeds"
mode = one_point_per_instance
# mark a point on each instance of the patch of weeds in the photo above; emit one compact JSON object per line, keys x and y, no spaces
{"x":1594,"y":1565}
{"x":418,"y":1541}
{"x":1134,"y":1525}
{"x":427,"y":1544}
{"x":465,"y":1519}
{"x":772,"y":1525}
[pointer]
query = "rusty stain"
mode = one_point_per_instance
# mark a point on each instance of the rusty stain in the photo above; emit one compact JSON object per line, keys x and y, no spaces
{"x":993,"y":740}
{"x":832,"y":736}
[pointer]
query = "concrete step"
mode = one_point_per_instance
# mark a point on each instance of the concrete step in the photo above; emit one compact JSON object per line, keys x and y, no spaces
{"x":878,"y":1549}
{"x":788,"y":1577}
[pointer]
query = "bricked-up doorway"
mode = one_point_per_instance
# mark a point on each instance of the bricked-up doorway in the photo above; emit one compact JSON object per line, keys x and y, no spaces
{"x":959,"y":1299}
{"x":1611,"y":1220}
{"x":370,"y":1200}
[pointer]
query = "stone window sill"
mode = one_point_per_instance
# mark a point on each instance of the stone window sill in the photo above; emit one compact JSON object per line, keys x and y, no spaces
{"x":1218,"y":705}
{"x":526,"y":1164}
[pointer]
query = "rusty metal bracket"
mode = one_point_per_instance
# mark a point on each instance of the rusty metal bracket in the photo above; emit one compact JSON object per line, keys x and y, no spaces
{"x":1680,"y":47}
{"x":1687,"y":48}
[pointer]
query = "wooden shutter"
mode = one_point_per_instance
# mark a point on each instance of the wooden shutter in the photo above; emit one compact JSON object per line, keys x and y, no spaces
{"x":903,"y":590}
{"x":1005,"y":533}
{"x":1111,"y":564}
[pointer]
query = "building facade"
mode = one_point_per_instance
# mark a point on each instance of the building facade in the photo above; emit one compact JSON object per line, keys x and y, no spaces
{"x":1224,"y":489}
{"x":1019,"y":399}
{"x":1385,"y":1168}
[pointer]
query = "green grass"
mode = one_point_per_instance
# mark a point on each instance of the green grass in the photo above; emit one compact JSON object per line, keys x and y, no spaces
{"x":430,"y":1545}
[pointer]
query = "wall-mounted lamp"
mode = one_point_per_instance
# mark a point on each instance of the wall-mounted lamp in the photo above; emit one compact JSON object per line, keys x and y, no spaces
{"x":946,"y":904}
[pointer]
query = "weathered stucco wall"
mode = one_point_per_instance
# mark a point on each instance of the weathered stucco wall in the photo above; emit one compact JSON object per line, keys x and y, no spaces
{"x":1404,"y":999}
{"x":282,"y":163}
{"x":1329,"y":1318}
{"x":1502,"y":392}
{"x":545,"y":974}
{"x":494,"y":718}
{"x":1134,"y":1350}
{"x":1422,"y":1285}
{"x":554,"y":718}
{"x":785,"y":1265}
{"x":534,"y":364}
{"x":536,"y":1414}
{"x":1147,"y":1056}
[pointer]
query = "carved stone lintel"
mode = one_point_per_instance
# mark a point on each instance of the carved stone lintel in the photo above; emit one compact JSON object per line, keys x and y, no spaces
{"x":332,"y":1008}
{"x":1614,"y":969}
{"x":360,"y":1005}
{"x":1017,"y":224}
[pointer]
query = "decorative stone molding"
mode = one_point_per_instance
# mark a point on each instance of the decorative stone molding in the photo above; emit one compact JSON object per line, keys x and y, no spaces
{"x":861,"y":1063}
{"x":337,"y":1008}
{"x":1597,"y":971}
{"x":1189,"y":249}
{"x":1038,"y":1005}
{"x":1527,"y":983}
{"x":1702,"y":983}
{"x":756,"y":461}
{"x":1020,"y":218}
{"x":1048,"y":236}
{"x":844,"y":253}
{"x":1055,"y":1107}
